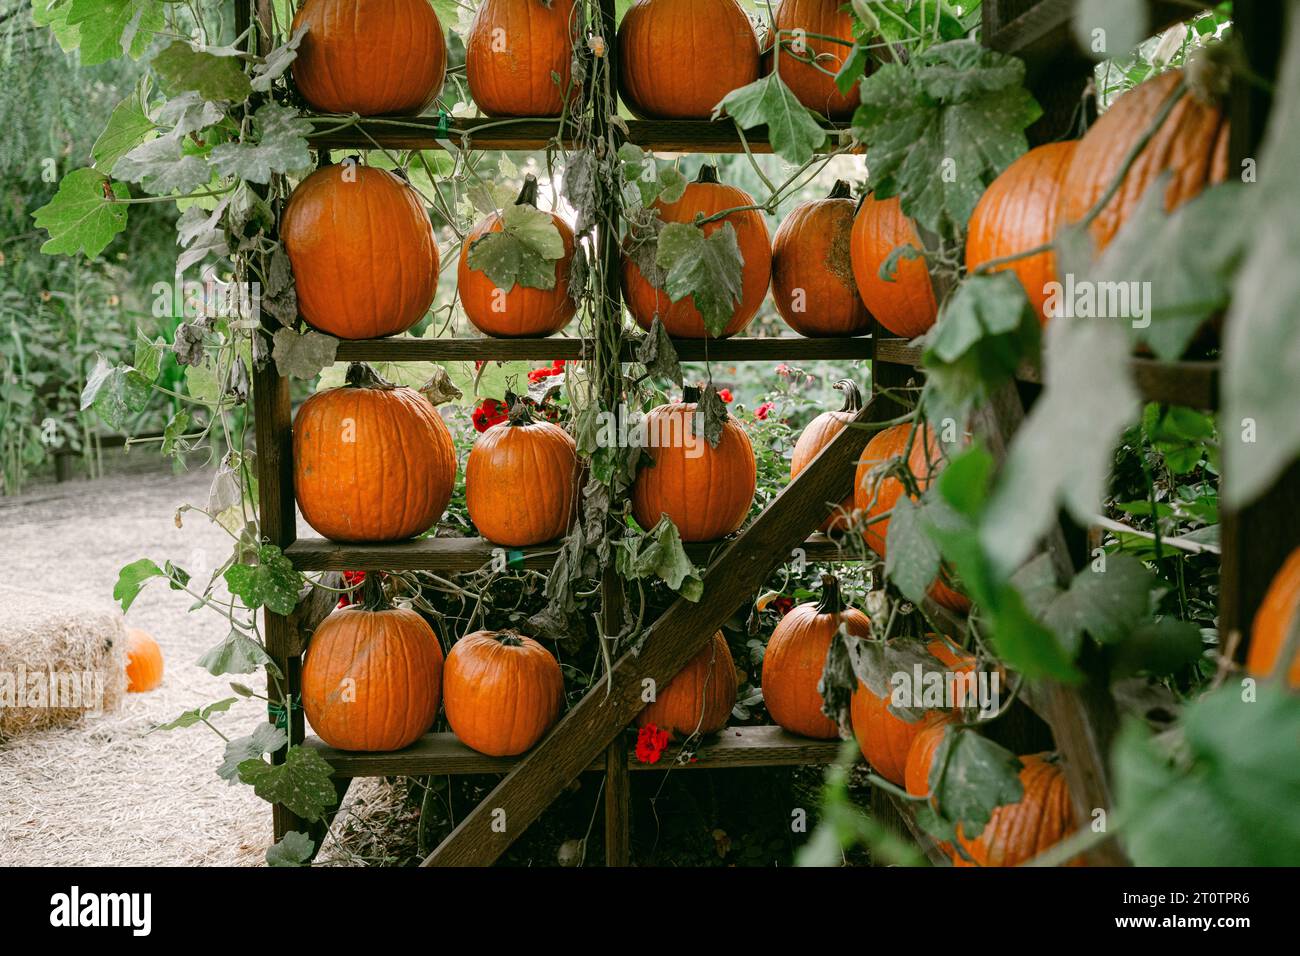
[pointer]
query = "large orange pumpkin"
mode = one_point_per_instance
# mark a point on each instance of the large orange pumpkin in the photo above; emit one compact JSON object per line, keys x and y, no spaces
{"x":521,"y":481}
{"x":372,"y":462}
{"x":816,"y":436}
{"x":808,"y":62}
{"x":812,"y":268}
{"x":706,"y":491}
{"x":905,"y":306}
{"x":1192,"y":142}
{"x":1273,"y":622}
{"x":144,"y":662}
{"x":677,"y":59}
{"x":372,"y":679}
{"x":364,"y":260}
{"x":705,"y":197}
{"x":1018,"y":832}
{"x":699,"y":699}
{"x":1018,"y":212}
{"x":519,"y":56}
{"x":920,"y":756}
{"x":372,"y":57}
{"x":520,"y":311}
{"x":503,"y":690}
{"x":796,"y":657}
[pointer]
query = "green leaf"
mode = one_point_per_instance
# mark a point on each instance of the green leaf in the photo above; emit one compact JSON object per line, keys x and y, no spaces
{"x":1109,"y":604}
{"x":115,"y":392}
{"x":161,"y":167}
{"x":213,"y":77}
{"x":176,"y":427}
{"x":708,"y":269}
{"x":148,"y":355}
{"x":911,"y":556}
{"x":128,"y":125}
{"x":302,"y":784}
{"x":198,"y":714}
{"x":294,"y":849}
{"x":792,"y":127}
{"x":81,"y":217}
{"x":303,"y":355}
{"x":523,"y":252}
{"x":1158,"y":648}
{"x":661,"y":555}
{"x":131,"y":580}
{"x":658,"y":354}
{"x":272,"y":582}
{"x":266,"y":738}
{"x":109,"y":29}
{"x":281,"y":146}
{"x":277,"y":62}
{"x":979,"y":777}
{"x":236,"y":654}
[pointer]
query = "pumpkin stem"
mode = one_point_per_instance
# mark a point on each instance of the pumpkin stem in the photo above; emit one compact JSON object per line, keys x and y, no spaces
{"x":831,"y":602}
{"x":528,"y":195}
{"x":852,"y":395}
{"x":707,"y":174}
{"x":361,"y":375}
{"x":520,"y":413}
{"x":372,"y":593}
{"x":509,"y":638}
{"x":691,"y":394}
{"x":841,"y":190}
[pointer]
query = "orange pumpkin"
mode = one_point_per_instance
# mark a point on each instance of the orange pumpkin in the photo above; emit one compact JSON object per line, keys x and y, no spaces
{"x":812,"y":268}
{"x":144,"y":662}
{"x":705,"y":197}
{"x":361,"y":245}
{"x":816,"y":436}
{"x":1018,"y":212}
{"x":1018,"y":832}
{"x":796,"y":657}
{"x":372,"y":57}
{"x":372,"y":462}
{"x":906,"y":305}
{"x":920,"y":756}
{"x":521,"y":311}
{"x":699,"y":699}
{"x":519,"y":57}
{"x":677,"y":59}
{"x":504,"y":691}
{"x":1192,"y":142}
{"x":706,"y":491}
{"x":808,"y":63}
{"x":372,"y":679}
{"x":521,"y":481}
{"x":1273,"y":622}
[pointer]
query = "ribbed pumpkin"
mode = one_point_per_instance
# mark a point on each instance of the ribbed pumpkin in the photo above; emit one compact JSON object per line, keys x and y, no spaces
{"x":521,"y":480}
{"x":504,"y":691}
{"x":372,"y":462}
{"x":796,"y":656}
{"x":920,"y":756}
{"x":699,"y":699}
{"x":677,"y":59}
{"x":905,"y":306}
{"x":519,"y":56}
{"x":816,"y":436}
{"x":707,"y":491}
{"x":812,"y":268}
{"x":1192,"y":143}
{"x":144,"y":662}
{"x":521,"y":311}
{"x":705,"y":197}
{"x":373,"y":57}
{"x":364,"y":260}
{"x":372,"y":679}
{"x":1018,"y":212}
{"x":815,"y":88}
{"x":1273,"y":622}
{"x":1018,"y":832}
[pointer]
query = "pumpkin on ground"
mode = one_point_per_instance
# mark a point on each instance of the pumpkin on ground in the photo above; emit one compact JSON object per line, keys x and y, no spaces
{"x":1018,"y":212}
{"x":504,"y":691}
{"x":520,"y":311}
{"x":706,"y":491}
{"x":372,"y":679}
{"x":796,"y":657}
{"x":705,"y":197}
{"x":677,"y":59}
{"x":519,"y":57}
{"x":1273,"y":622}
{"x":812,"y":268}
{"x":699,"y":699}
{"x":144,"y":662}
{"x":364,"y":260}
{"x":904,"y":305}
{"x":372,"y":462}
{"x":808,"y":62}
{"x":372,"y":57}
{"x":816,"y":436}
{"x":521,"y":480}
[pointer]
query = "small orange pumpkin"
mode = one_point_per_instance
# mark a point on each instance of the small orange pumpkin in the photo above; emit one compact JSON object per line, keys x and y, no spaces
{"x":808,"y":62}
{"x":519,"y":57}
{"x":905,"y":306}
{"x":812,"y":268}
{"x":1273,"y":622}
{"x":699,"y":699}
{"x":144,"y":662}
{"x":816,"y":436}
{"x":504,"y":691}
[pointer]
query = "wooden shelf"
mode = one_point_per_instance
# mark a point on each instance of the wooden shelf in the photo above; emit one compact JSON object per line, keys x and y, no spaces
{"x":439,"y":754}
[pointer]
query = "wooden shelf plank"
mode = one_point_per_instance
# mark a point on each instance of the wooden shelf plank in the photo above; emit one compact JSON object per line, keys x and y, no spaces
{"x":439,"y":754}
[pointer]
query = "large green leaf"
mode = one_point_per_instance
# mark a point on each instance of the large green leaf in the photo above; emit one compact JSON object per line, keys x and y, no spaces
{"x":213,"y":77}
{"x":791,"y":127}
{"x":82,"y":217}
{"x":708,"y":269}
{"x":116,"y":392}
{"x":302,"y":784}
{"x":107,"y":29}
{"x":280,"y":148}
{"x":272,"y":582}
{"x":128,"y":125}
{"x":523,"y":252}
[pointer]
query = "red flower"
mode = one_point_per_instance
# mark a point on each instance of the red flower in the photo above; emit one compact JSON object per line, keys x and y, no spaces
{"x":783,"y":370}
{"x":725,"y":395}
{"x":763,"y":410}
{"x":351,"y":579}
{"x":490,"y":412}
{"x":650,"y":743}
{"x":782,"y":605}
{"x":537,"y":374}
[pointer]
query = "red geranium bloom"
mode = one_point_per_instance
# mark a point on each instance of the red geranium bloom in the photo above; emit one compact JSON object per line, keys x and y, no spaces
{"x":489,"y":412}
{"x":351,"y":579}
{"x":782,"y":605}
{"x":783,"y":370}
{"x":764,"y":410}
{"x":651,"y":742}
{"x":725,"y":395}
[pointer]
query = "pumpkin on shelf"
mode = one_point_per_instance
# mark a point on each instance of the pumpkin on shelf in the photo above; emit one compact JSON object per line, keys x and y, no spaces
{"x":705,"y":490}
{"x":812,"y":268}
{"x":371,"y":57}
{"x":364,"y":259}
{"x":521,"y":480}
{"x":503,"y":691}
{"x":519,"y":57}
{"x":1018,"y":832}
{"x":372,"y":679}
{"x":905,"y":305}
{"x":705,"y":197}
{"x":808,"y":61}
{"x":796,"y":656}
{"x":1273,"y":622}
{"x":521,"y":311}
{"x":372,"y":461}
{"x":920,"y":756}
{"x":144,"y":662}
{"x":677,"y":59}
{"x":699,"y":699}
{"x":816,"y":436}
{"x":1018,"y":212}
